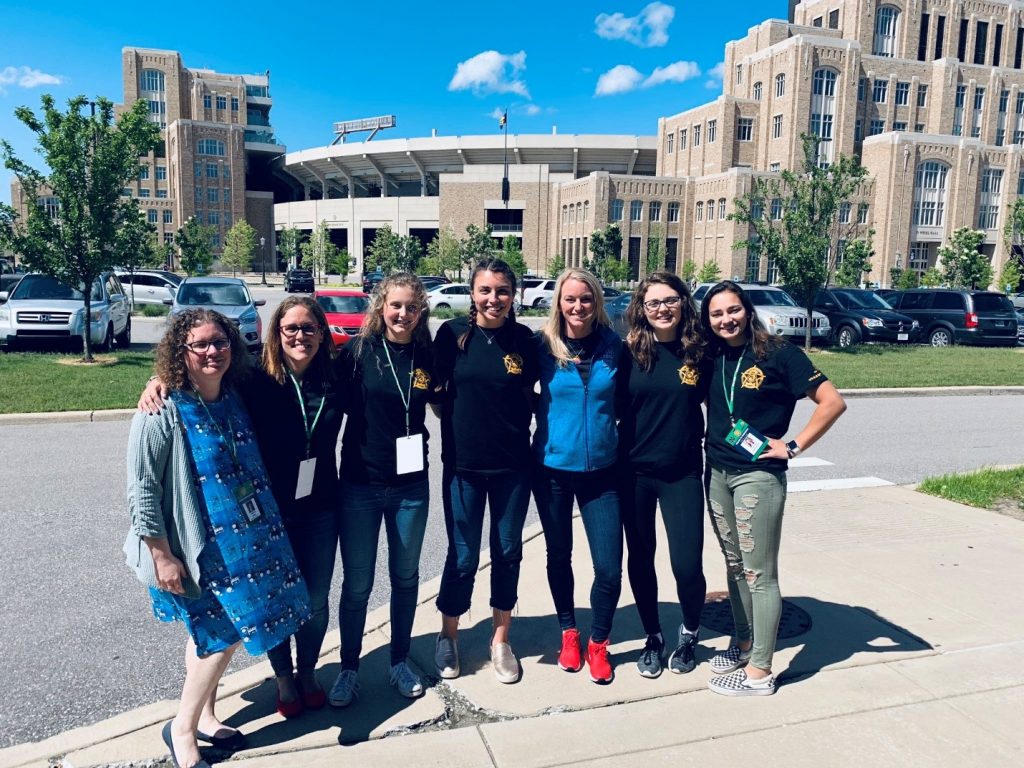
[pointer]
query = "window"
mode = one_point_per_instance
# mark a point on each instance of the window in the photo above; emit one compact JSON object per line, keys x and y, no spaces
{"x":213,"y":218}
{"x":991,"y":188}
{"x":774,"y":167}
{"x":673,"y":213}
{"x":51,"y":205}
{"x":862,"y":213}
{"x":616,"y":212}
{"x":699,"y":213}
{"x":902,"y":94}
{"x":862,"y":87}
{"x":207,"y":101}
{"x":980,"y":41}
{"x":757,"y":209}
{"x":922,"y":40}
{"x":819,"y":21}
{"x":776,"y":209}
{"x":823,"y":108}
{"x":745,"y":129}
{"x":844,"y":213}
{"x":143,"y":192}
{"x":211,"y":170}
{"x":168,"y":216}
{"x":199,"y":194}
{"x":161,"y":173}
{"x":721,"y":207}
{"x":212,"y":194}
{"x":1020,"y":48}
{"x":670,"y":141}
{"x":961,"y":46}
{"x":125,"y":192}
{"x":918,"y":127}
{"x":877,"y":127}
{"x":682,"y":139}
{"x":654,"y":211}
{"x":886,"y":23}
{"x":979,"y":105}
{"x":168,"y":238}
{"x":879,"y":91}
{"x":226,"y":218}
{"x":757,"y":91}
{"x":772,"y":274}
{"x":899,"y":126}
{"x":696,"y":135}
{"x":858,"y":130}
{"x":753,"y":263}
{"x":997,"y":54}
{"x":227,"y":196}
{"x":930,"y":194}
{"x":739,"y":74}
{"x":777,"y":126}
{"x":1020,"y":183}
{"x":958,"y":110}
{"x":152,"y":80}
{"x":712,"y":131}
{"x":199,"y":170}
{"x":151,"y":216}
{"x":940,"y":37}
{"x":780,"y":84}
{"x":161,"y":193}
{"x":234,"y":103}
{"x":222,"y":102}
{"x":922,"y":95}
{"x":711,"y":210}
{"x":636,"y":210}
{"x":979,"y":97}
{"x":143,"y":173}
{"x":211,"y":147}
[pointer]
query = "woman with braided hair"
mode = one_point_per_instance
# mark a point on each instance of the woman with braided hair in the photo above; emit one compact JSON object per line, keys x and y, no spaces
{"x":486,"y":370}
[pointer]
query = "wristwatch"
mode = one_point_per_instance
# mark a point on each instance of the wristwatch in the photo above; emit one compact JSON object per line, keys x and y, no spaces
{"x":793,"y":448}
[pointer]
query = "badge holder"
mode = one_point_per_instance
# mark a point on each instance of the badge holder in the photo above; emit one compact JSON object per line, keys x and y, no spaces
{"x":747,"y":440}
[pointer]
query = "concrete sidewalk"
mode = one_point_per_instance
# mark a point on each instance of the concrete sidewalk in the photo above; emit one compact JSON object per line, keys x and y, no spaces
{"x":899,"y":646}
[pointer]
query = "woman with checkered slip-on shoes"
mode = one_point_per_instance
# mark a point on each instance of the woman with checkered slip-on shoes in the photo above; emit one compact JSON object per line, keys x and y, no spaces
{"x":756,"y":382}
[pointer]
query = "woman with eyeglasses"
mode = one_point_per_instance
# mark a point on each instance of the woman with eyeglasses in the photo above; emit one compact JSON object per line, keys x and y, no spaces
{"x":575,"y":447}
{"x":664,"y":380}
{"x":390,"y":374}
{"x":295,"y":404}
{"x":206,"y":535}
{"x":755,"y":385}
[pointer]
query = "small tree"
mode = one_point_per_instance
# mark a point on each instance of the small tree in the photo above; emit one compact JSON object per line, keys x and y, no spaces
{"x":135,"y":246}
{"x":709,"y":272}
{"x":165,"y":256}
{"x":90,"y":160}
{"x":903,"y":279}
{"x":932,"y":278}
{"x":195,"y":252}
{"x":689,"y":271}
{"x":443,"y":253}
{"x":556,"y":265}
{"x":239,"y":246}
{"x":655,"y":250}
{"x":963,"y":263}
{"x":341,"y":263}
{"x":288,"y":240}
{"x":513,"y":255}
{"x":319,"y":250}
{"x":1010,"y":276}
{"x":606,"y":262}
{"x":855,"y":263}
{"x":478,"y":245}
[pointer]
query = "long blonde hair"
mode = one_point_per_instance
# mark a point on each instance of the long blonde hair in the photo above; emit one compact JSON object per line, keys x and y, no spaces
{"x":555,"y":326}
{"x":374,"y":328}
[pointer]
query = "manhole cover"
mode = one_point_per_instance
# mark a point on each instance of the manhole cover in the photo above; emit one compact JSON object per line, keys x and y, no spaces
{"x":717,"y":615}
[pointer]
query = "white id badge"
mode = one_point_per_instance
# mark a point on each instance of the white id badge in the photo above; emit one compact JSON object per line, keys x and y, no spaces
{"x":409,"y":454}
{"x":304,"y":486}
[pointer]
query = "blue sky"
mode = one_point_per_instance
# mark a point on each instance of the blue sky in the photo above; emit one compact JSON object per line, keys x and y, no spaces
{"x":613,"y":66}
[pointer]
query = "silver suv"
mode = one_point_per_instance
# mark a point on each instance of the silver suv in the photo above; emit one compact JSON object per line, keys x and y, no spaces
{"x":776,"y":309}
{"x":227,"y":295}
{"x":40,"y":308}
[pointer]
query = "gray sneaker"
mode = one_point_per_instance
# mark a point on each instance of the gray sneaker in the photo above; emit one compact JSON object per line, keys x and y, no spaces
{"x":446,"y":657}
{"x":684,"y":657}
{"x":345,"y":688}
{"x":649,"y":663}
{"x":505,"y":663}
{"x":730,"y":660}
{"x":405,"y":680}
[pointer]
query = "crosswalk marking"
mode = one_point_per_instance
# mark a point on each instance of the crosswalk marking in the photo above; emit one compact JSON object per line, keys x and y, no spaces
{"x":808,"y":461}
{"x":802,"y":486}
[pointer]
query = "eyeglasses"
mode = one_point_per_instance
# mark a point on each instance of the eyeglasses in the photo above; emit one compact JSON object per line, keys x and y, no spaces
{"x":669,"y":302}
{"x":307,"y":328}
{"x":202,"y":347}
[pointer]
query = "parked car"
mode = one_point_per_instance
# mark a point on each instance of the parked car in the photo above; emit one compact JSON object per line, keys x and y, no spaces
{"x":149,"y":286}
{"x":857,"y":315}
{"x":616,"y":309}
{"x":454,"y":295}
{"x":227,"y":295}
{"x":544,"y":302}
{"x":535,"y":289}
{"x":432,"y":281}
{"x":950,"y":316}
{"x":1020,"y":326}
{"x":781,"y":315}
{"x":298,"y":280}
{"x":371,"y":279}
{"x":345,"y":309}
{"x":41,"y":309}
{"x":9,"y":280}
{"x":1018,"y":300}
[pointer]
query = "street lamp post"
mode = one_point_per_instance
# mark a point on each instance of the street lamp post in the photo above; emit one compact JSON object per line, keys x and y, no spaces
{"x":263,"y":259}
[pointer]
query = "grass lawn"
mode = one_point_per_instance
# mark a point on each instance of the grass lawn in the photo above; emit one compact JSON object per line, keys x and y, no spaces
{"x":869,"y":366}
{"x":986,"y":488}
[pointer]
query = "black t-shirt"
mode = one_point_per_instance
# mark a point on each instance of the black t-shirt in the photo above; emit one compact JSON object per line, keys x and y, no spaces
{"x":376,"y":411}
{"x":582,"y":352}
{"x":281,"y":434}
{"x":661,"y":424}
{"x":766,"y":394}
{"x":487,"y":402}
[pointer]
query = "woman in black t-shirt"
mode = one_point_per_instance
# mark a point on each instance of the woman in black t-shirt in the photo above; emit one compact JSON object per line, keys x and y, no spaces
{"x":388,"y":368}
{"x":486,"y":368}
{"x":663,"y":382}
{"x":756,"y":382}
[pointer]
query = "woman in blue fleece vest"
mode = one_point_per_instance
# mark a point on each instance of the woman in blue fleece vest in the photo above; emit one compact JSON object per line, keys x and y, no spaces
{"x":575,"y":446}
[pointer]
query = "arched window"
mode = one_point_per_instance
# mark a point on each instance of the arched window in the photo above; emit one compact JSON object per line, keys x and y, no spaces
{"x":887,"y":19}
{"x":780,"y":84}
{"x":572,"y":214}
{"x":721,"y":207}
{"x":711,"y":210}
{"x":757,"y":91}
{"x":823,"y":110}
{"x":700,"y":211}
{"x":579,"y":212}
{"x":586,"y":210}
{"x":210,"y":147}
{"x":930,"y":194}
{"x":565,"y":214}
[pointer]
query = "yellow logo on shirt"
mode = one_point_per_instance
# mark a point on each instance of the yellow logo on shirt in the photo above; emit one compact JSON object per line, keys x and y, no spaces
{"x":420,"y":379}
{"x":752,"y":378}
{"x":513,"y":364}
{"x":689,"y":375}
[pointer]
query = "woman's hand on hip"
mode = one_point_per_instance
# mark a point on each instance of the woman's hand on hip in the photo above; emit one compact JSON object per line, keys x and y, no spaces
{"x":776,"y":450}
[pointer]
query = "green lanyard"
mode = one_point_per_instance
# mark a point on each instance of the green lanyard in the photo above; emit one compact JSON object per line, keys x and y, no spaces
{"x":228,"y":438}
{"x":305,"y":418}
{"x":406,"y":396}
{"x":730,"y":393}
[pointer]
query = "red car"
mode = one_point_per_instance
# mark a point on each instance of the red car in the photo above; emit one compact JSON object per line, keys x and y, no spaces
{"x":345,"y":309}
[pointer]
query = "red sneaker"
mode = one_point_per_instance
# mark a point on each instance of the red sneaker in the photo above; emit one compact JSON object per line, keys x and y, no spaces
{"x":569,"y":658}
{"x":600,"y":666}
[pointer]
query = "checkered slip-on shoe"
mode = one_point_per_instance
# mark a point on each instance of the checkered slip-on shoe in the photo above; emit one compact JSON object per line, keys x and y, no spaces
{"x":737,"y":684}
{"x":730,"y":660}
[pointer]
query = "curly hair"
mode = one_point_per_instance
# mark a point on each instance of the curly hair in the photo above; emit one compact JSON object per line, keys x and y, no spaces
{"x":760,"y":340}
{"x":498,"y":267}
{"x":555,"y":325}
{"x":641,"y":340}
{"x":374,"y":327}
{"x":170,"y":364}
{"x":273,"y":358}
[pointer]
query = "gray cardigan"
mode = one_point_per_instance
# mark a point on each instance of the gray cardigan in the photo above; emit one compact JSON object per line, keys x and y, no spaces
{"x":162,"y":497}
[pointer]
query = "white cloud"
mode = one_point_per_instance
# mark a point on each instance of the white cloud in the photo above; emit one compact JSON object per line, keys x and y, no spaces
{"x":715,"y":75}
{"x":679,"y":72}
{"x":531,"y":110}
{"x":619,"y":79}
{"x":527,"y":110}
{"x":649,"y":29}
{"x":26,"y":77}
{"x":491,"y":72}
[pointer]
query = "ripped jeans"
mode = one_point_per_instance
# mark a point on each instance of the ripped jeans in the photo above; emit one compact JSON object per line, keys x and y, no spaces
{"x":746,"y":509}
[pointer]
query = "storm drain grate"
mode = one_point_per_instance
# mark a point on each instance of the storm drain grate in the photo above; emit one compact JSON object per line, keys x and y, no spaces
{"x":717,"y":615}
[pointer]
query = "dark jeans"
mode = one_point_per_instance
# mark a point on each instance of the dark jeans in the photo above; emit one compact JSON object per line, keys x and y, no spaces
{"x":682,"y":511}
{"x":314,"y":539}
{"x":403,"y":509}
{"x":598,"y":499}
{"x":465,"y":496}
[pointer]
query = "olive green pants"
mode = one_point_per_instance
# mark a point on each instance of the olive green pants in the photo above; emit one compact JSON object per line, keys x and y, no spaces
{"x":746,"y":509}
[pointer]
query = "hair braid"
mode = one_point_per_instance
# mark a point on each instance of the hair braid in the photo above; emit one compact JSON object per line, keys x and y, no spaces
{"x":465,"y":337}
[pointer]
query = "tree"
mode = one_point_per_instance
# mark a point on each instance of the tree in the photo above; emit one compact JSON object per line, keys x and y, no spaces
{"x":513,"y":255}
{"x":963,"y":263}
{"x":239,"y":246}
{"x":1010,"y":276}
{"x":395,"y":253}
{"x":443,"y":254}
{"x":606,"y":262}
{"x":932,"y":278}
{"x":288,"y":240}
{"x":795,"y":221}
{"x":165,"y":256}
{"x":90,"y":160}
{"x":341,"y":264}
{"x":903,"y":279}
{"x":195,"y":252}
{"x":855,"y":263}
{"x":135,"y":245}
{"x":655,"y":251}
{"x":319,"y":250}
{"x":709,"y":272}
{"x":556,"y":265}
{"x":477,"y":246}
{"x":689,"y":271}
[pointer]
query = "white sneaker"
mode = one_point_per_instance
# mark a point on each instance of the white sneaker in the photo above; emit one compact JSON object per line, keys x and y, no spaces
{"x":446,"y":657}
{"x":345,"y":688}
{"x":406,"y":681}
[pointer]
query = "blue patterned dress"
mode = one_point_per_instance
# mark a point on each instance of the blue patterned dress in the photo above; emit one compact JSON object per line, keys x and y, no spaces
{"x":252,"y":588}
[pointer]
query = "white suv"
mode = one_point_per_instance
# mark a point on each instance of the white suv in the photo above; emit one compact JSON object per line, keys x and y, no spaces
{"x":535,"y":289}
{"x":781,"y":315}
